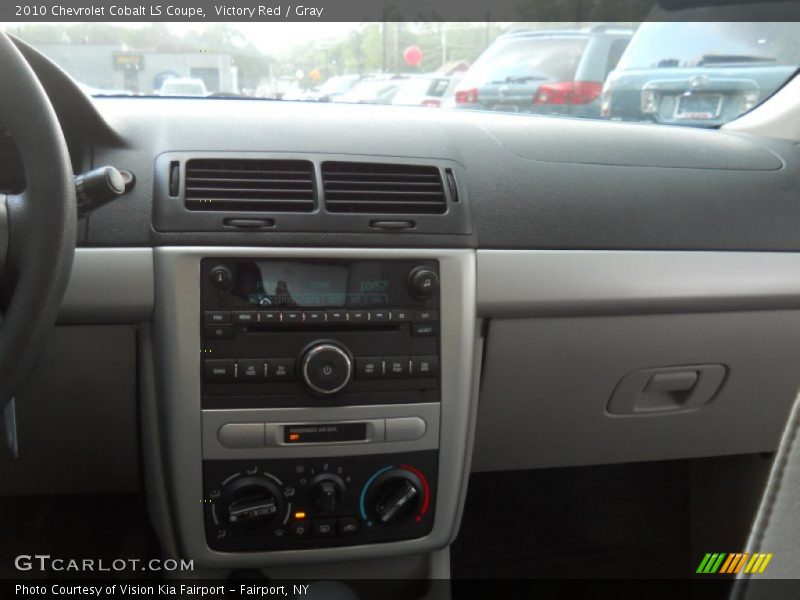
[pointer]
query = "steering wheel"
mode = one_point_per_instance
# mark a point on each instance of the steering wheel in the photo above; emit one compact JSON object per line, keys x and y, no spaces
{"x":38,"y":226}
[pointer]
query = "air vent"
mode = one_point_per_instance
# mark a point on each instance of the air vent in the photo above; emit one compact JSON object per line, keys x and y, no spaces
{"x":252,"y":185}
{"x":12,"y":175}
{"x":383,"y":188}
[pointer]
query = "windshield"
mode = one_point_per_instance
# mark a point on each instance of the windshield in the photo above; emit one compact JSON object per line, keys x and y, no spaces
{"x":182,"y":89}
{"x":338,"y":85}
{"x":688,"y":45}
{"x":530,"y":69}
{"x":523,"y":60}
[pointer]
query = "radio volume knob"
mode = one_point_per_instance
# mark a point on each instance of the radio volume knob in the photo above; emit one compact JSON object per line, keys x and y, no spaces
{"x":220,"y":276}
{"x":423,"y":283}
{"x":326,"y":368}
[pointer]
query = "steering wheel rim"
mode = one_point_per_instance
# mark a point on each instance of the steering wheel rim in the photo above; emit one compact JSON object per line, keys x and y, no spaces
{"x":42,"y":221}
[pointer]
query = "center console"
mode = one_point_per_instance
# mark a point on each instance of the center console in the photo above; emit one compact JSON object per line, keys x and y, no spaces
{"x":317,"y":404}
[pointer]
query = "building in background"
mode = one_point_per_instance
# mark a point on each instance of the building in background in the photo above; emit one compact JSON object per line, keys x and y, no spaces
{"x":110,"y":67}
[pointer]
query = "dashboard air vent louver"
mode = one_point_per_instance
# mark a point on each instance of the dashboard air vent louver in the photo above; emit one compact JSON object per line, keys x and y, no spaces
{"x":252,"y":185}
{"x":362,"y":187}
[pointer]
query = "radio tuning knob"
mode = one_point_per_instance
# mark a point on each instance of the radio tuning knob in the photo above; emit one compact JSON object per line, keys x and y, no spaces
{"x":422,"y":283}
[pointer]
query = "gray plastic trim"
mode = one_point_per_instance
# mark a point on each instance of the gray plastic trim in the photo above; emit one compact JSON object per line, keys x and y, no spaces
{"x":213,"y":420}
{"x":523,"y":283}
{"x":109,"y":285}
{"x":177,"y":336}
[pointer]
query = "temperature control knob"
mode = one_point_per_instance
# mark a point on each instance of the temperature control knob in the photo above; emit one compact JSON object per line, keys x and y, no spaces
{"x":423,"y":283}
{"x":326,"y":368}
{"x":251,"y":502}
{"x":396,"y":496}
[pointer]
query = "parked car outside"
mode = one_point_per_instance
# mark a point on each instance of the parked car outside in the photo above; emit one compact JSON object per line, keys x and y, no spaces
{"x":545,"y":72}
{"x":373,"y":90}
{"x":700,"y":74}
{"x":183,"y":86}
{"x":336,"y":86}
{"x":298,"y":93}
{"x":425,"y":90}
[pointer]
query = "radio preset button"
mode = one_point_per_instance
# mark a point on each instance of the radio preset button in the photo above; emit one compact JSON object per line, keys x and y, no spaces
{"x":217,"y":332}
{"x":358,"y":316}
{"x":369,"y":368}
{"x":250,"y":369}
{"x":314,"y":317}
{"x":379,"y":316}
{"x":337,"y":316}
{"x":220,"y":369}
{"x":216,"y":317}
{"x":424,"y":366}
{"x":269,"y":316}
{"x":291,"y":317}
{"x":280,"y":369}
{"x":397,"y":366}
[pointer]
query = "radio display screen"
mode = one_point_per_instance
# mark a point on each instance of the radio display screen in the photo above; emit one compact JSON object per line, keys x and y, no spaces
{"x":318,"y":284}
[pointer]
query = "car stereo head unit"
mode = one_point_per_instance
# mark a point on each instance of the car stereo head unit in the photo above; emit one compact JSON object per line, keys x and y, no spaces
{"x":318,"y":332}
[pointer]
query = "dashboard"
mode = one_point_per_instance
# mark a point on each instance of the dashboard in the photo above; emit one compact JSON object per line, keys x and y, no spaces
{"x":315,"y":373}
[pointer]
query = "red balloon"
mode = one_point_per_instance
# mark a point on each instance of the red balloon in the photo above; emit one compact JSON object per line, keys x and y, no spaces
{"x":413,"y":55}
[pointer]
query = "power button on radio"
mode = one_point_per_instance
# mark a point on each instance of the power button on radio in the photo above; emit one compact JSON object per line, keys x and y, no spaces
{"x":326,"y":368}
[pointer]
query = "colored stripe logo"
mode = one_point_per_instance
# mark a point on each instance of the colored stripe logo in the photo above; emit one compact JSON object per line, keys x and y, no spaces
{"x":734,"y":563}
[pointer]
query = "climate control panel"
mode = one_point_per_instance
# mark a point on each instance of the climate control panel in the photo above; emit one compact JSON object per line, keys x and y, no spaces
{"x":286,"y":504}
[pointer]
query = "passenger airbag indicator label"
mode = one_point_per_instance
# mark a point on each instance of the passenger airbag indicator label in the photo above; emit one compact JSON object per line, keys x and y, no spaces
{"x":324,"y":432}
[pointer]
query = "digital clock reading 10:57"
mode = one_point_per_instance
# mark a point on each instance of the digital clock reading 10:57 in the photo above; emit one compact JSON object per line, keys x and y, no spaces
{"x":373,"y":285}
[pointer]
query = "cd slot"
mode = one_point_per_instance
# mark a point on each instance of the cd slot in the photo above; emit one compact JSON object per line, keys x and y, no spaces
{"x":272,"y":328}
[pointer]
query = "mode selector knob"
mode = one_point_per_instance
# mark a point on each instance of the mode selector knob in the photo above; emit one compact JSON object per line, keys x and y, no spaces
{"x":423,"y":283}
{"x":326,"y":368}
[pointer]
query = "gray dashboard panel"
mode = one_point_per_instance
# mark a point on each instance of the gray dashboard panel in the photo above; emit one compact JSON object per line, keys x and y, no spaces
{"x":109,"y":285}
{"x":533,"y":182}
{"x":547,"y":383}
{"x":565,"y":327}
{"x":678,"y":147}
{"x":538,"y":283}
